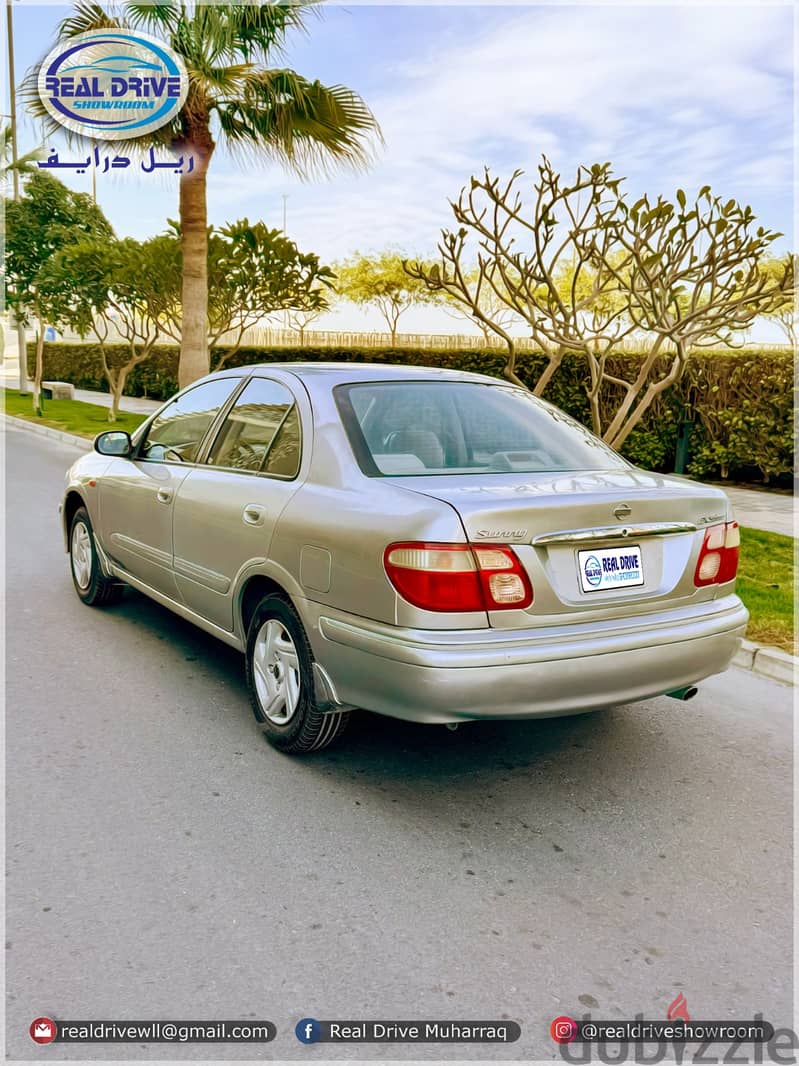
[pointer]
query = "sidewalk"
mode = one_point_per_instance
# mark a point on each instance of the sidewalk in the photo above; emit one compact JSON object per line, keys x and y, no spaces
{"x":773,"y":512}
{"x":134,"y":404}
{"x":9,"y":379}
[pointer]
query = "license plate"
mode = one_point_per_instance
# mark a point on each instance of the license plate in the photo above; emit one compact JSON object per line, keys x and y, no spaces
{"x":610,"y":568}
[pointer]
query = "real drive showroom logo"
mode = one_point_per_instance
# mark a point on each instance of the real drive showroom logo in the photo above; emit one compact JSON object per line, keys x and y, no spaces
{"x":113,"y":84}
{"x":593,"y":570}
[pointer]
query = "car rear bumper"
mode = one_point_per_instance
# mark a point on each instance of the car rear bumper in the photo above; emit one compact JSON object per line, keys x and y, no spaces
{"x":454,"y":676}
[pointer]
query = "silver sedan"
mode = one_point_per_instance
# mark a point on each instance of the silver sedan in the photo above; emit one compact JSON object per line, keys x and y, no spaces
{"x":426,"y":544}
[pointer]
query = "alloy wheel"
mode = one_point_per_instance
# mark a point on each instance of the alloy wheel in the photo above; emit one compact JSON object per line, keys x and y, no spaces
{"x":81,"y":555}
{"x":276,"y":671}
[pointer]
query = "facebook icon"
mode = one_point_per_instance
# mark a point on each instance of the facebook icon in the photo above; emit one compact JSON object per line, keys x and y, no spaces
{"x":308,"y":1030}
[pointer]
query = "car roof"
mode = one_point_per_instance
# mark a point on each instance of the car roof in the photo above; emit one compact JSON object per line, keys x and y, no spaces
{"x":332,"y":373}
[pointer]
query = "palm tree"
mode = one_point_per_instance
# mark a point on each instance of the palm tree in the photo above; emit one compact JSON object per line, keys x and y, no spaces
{"x":24,"y":166}
{"x":236,"y":98}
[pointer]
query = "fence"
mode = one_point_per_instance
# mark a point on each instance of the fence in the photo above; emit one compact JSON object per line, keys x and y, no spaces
{"x":274,"y":337}
{"x":269,"y":337}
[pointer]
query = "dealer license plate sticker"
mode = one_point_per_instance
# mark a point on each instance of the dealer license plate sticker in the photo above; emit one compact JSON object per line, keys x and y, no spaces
{"x":602,"y":569}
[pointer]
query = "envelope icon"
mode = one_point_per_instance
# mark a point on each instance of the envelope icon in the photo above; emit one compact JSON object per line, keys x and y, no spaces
{"x":43,"y":1029}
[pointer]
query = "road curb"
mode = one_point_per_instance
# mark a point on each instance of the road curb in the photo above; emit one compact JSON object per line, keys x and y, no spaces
{"x":83,"y":443}
{"x":765,"y":661}
{"x":761,"y":659}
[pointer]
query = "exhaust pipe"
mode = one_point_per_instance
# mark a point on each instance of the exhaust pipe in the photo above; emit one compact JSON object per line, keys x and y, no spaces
{"x":686,"y":693}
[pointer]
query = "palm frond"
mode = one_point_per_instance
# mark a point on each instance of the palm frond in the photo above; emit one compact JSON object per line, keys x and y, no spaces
{"x":161,"y":18}
{"x":87,"y":16}
{"x":222,"y":81}
{"x":249,"y":31}
{"x":258,"y":30}
{"x":25,"y":164}
{"x":309,"y":126}
{"x":218,"y":32}
{"x":278,"y":113}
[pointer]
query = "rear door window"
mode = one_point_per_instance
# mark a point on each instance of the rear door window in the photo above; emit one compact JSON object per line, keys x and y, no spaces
{"x":261,"y":433}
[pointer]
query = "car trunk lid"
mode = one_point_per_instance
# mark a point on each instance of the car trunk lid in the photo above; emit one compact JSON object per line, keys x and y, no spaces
{"x":566,"y":527}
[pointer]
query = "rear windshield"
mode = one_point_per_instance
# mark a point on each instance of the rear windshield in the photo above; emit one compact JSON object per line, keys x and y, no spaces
{"x":407,"y":428}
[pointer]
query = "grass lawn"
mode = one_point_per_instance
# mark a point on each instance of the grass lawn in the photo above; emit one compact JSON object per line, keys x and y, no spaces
{"x":766,"y":585}
{"x":71,"y":416}
{"x":765,"y":574}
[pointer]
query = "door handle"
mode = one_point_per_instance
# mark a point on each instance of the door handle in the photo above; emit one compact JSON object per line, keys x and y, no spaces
{"x":164,"y":495}
{"x":254,"y":514}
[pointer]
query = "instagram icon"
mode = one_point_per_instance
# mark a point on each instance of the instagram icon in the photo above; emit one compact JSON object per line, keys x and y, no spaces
{"x":563,"y":1029}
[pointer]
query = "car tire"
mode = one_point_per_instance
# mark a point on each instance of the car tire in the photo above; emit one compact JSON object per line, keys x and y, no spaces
{"x":91,"y":584}
{"x":280,"y":681}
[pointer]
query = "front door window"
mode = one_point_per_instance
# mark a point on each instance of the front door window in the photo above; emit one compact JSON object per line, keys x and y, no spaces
{"x":176,"y":433}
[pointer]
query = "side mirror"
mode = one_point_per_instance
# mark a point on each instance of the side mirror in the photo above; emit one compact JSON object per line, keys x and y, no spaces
{"x":114,"y":442}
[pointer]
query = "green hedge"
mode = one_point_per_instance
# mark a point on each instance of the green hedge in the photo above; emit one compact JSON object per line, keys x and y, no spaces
{"x":740,"y":403}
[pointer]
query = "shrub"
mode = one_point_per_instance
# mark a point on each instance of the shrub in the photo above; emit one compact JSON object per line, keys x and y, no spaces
{"x":745,"y":404}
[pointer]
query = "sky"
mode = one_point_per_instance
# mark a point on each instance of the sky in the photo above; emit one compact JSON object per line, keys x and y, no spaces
{"x":674,"y":96}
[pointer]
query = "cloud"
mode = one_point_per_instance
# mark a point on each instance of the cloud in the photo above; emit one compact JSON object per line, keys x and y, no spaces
{"x":674,"y":96}
{"x":550,"y":78}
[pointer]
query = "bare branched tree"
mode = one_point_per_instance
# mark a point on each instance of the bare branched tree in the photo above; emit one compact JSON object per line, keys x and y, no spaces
{"x":542,"y":263}
{"x":299,"y":320}
{"x":495,"y":309}
{"x":692,"y":278}
{"x":586,"y":272}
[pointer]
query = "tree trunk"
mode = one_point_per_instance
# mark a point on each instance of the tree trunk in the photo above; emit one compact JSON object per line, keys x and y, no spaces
{"x":392,"y":316}
{"x":194,"y":355}
{"x":22,"y":352}
{"x":615,"y":427}
{"x":555,"y":359}
{"x":39,"y":372}
{"x":108,"y":373}
{"x":509,"y":370}
{"x":116,"y":393}
{"x":643,"y":405}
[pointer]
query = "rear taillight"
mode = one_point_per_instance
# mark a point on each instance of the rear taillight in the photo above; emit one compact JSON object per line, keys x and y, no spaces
{"x":458,"y":577}
{"x":718,"y":556}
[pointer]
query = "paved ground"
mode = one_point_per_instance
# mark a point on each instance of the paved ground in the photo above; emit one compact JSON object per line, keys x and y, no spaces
{"x":137,"y":404}
{"x":164,"y":861}
{"x":760,"y":509}
{"x":9,"y":377}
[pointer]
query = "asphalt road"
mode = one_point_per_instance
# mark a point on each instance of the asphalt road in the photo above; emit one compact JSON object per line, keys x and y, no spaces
{"x":164,"y":862}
